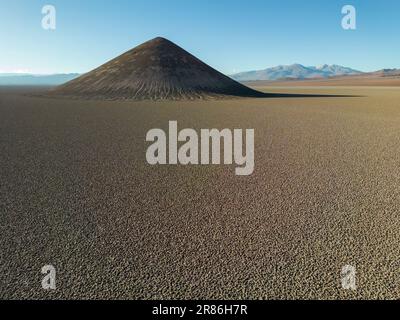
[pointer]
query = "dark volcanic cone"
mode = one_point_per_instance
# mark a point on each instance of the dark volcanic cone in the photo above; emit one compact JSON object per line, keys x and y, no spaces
{"x":157,"y":69}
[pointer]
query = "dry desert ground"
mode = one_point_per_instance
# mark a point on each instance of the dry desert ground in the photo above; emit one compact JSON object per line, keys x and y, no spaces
{"x":77,"y":193}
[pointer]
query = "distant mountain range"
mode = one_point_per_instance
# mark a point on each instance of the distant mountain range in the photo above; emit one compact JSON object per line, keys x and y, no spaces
{"x":295,"y":71}
{"x":282,"y":73}
{"x":16,"y":79}
{"x":386,"y":73}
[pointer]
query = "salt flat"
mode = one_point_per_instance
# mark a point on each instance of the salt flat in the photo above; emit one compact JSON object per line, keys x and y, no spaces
{"x":76,"y":192}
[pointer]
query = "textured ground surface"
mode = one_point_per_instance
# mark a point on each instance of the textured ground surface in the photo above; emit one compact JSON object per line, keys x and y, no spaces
{"x":77,"y":193}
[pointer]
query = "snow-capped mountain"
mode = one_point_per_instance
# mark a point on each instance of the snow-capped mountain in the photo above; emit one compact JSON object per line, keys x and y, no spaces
{"x":295,"y":71}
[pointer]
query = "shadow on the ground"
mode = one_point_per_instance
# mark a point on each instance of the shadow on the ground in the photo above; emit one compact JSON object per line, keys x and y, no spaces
{"x":253,"y":93}
{"x":305,"y":95}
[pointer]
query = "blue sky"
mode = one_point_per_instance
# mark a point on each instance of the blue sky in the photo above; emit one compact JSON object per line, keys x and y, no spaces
{"x":230,"y":35}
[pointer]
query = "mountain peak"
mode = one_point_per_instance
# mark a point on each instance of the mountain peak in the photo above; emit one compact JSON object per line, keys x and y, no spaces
{"x":159,"y":41}
{"x":157,"y":69}
{"x":323,"y":66}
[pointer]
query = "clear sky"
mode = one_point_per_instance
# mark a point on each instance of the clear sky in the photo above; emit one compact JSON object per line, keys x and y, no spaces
{"x":230,"y":35}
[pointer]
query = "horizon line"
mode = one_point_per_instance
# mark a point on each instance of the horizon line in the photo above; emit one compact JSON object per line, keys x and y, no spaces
{"x":30,"y":73}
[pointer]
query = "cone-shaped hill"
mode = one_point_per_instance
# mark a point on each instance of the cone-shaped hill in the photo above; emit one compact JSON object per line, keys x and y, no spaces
{"x":155,"y":70}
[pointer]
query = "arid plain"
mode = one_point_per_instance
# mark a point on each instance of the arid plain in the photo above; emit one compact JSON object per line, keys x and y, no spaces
{"x":77,"y":193}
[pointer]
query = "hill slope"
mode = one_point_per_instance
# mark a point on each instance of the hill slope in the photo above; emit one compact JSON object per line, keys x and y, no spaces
{"x":157,"y":69}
